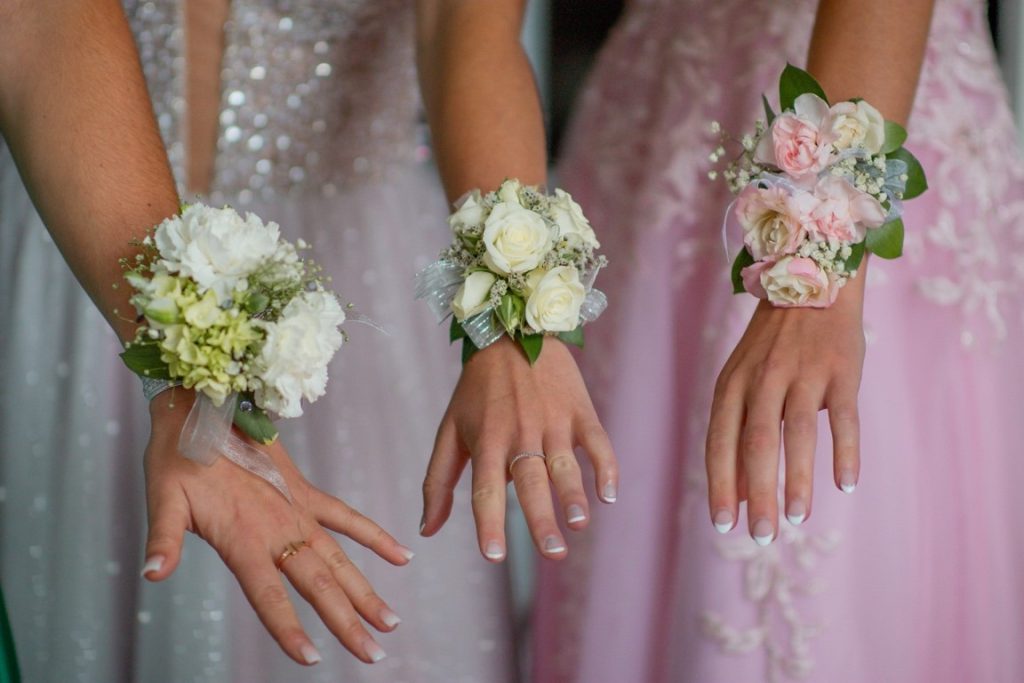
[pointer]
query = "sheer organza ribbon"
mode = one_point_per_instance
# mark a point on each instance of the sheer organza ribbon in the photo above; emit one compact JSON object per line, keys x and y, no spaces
{"x":207,"y":435}
{"x":439,"y":282}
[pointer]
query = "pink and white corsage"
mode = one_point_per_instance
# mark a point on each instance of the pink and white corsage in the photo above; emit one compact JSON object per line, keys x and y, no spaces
{"x":817,"y":186}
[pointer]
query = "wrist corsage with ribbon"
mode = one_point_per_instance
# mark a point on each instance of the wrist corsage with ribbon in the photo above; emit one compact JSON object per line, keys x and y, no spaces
{"x":817,"y":186}
{"x":521,"y":263}
{"x":228,"y":308}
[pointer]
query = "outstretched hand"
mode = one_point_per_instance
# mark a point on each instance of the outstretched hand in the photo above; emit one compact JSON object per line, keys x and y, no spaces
{"x":502,"y":408}
{"x":789,"y":364}
{"x":250,"y":524}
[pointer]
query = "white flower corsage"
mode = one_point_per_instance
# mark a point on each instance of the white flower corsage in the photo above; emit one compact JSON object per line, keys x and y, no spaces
{"x":521,"y":263}
{"x":817,"y":185}
{"x":228,"y":308}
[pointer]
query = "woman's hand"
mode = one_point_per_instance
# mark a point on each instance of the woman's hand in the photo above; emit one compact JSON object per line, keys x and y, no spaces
{"x":790,"y":363}
{"x":250,"y":524}
{"x":503,"y":407}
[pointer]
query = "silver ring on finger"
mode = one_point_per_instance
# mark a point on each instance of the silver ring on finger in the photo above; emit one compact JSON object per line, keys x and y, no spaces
{"x":525,"y":454}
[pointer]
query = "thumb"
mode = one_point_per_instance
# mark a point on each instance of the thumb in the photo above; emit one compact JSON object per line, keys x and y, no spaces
{"x":168,"y":520}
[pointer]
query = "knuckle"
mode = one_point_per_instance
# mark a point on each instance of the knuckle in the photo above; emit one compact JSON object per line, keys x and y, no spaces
{"x":594,"y":433}
{"x":338,"y":561}
{"x":322,"y":582}
{"x":352,"y":629}
{"x":533,"y":479}
{"x":484,"y":494}
{"x":759,"y":439}
{"x":801,"y":424}
{"x":562,"y":464}
{"x":272,"y":595}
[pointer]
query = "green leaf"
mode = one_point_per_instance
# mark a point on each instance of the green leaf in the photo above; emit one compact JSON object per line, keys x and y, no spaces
{"x":532,"y":344}
{"x":886,"y":241}
{"x":795,"y":82}
{"x":743,"y":259}
{"x":856,"y":256}
{"x":895,"y":136}
{"x":456,"y":331}
{"x":255,"y":423}
{"x":143,"y":358}
{"x":510,"y":312}
{"x":769,"y":115}
{"x":917,"y":183}
{"x":257,"y":302}
{"x":574,"y":337}
{"x":468,"y":349}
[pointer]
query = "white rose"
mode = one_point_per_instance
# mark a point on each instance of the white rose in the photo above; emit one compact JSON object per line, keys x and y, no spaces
{"x":573,"y":226}
{"x":857,"y":125}
{"x":469,"y":213}
{"x":474,"y":295}
{"x":516,"y":239}
{"x":509,"y":191}
{"x":216,"y":247}
{"x":292,"y":364}
{"x":554,"y":305}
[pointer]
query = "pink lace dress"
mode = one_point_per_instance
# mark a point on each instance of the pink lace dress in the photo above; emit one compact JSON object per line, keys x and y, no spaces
{"x":917,"y":576}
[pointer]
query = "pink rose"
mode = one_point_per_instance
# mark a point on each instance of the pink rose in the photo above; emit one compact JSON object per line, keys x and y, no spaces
{"x":843,"y":212}
{"x":791,"y":282}
{"x":801,"y":141}
{"x":773,"y":219}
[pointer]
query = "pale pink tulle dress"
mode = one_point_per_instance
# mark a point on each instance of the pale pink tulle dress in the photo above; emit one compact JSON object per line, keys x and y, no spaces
{"x":919,"y":576}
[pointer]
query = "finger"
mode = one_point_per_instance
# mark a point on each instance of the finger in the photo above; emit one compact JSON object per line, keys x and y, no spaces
{"x":265,"y":591}
{"x":489,"y":502}
{"x":760,"y":443}
{"x":446,"y":465}
{"x":843,"y":418}
{"x":800,"y":434}
{"x":337,"y":516}
{"x":315,"y":582}
{"x":594,"y":440}
{"x":533,"y":487}
{"x":168,"y":520}
{"x":741,"y":480}
{"x":359,"y":591}
{"x":721,"y":452}
{"x":567,"y":479}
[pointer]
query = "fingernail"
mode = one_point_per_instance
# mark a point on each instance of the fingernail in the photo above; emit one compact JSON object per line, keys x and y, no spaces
{"x":423,"y":524}
{"x":553,"y":546}
{"x":406,"y":553}
{"x":576,"y":514}
{"x":374,"y":651}
{"x":153,"y":564}
{"x":723,"y":521}
{"x":310,"y":654}
{"x":763,"y":532}
{"x":608,"y":493}
{"x":389,"y":618}
{"x":847,"y":481}
{"x":494,"y":551}
{"x":796,"y":512}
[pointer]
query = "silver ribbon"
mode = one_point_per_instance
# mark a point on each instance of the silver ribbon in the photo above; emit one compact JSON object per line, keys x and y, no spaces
{"x":439,"y":282}
{"x":207,"y":435}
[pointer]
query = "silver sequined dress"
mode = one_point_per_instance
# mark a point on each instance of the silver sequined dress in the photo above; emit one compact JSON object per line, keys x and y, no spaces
{"x":318,"y":131}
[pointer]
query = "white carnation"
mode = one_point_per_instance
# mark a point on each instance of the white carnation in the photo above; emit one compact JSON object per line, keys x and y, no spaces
{"x":216,"y":247}
{"x":292,"y":364}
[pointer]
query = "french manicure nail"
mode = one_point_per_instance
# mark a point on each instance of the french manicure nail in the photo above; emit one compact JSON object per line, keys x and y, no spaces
{"x":310,"y":654}
{"x":723,"y":521}
{"x":608,"y":493}
{"x":553,"y":546}
{"x":494,"y":551}
{"x":423,"y":525}
{"x":763,"y":532}
{"x":406,"y":553}
{"x":575,"y":514}
{"x":374,"y":651}
{"x":153,"y":564}
{"x":796,"y":512}
{"x":389,"y":618}
{"x":847,"y":481}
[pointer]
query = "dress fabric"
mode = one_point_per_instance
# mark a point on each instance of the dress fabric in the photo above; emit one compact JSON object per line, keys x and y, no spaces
{"x":319,"y":131}
{"x":915,"y":577}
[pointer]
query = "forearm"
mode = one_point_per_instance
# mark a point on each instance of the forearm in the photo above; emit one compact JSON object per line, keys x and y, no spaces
{"x":872,"y":49}
{"x":480,"y":95}
{"x":76,"y":115}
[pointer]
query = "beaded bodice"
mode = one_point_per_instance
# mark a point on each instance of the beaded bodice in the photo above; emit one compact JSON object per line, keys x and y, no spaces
{"x":314,"y":95}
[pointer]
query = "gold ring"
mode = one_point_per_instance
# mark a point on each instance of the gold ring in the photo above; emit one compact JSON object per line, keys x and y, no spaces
{"x":525,"y":454}
{"x":289,"y":550}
